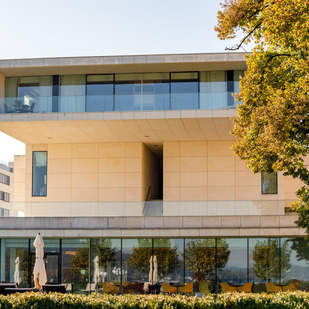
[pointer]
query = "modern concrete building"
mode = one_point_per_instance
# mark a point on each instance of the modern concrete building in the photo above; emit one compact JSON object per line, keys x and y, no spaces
{"x":129,"y":157}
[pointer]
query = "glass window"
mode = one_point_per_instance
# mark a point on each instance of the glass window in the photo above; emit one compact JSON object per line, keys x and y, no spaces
{"x":155,"y":90}
{"x":106,"y":260}
{"x":28,"y":94}
{"x":269,"y":183}
{"x":100,"y":93}
{"x":72,"y":93}
{"x":237,"y":77}
{"x":4,"y":196}
{"x":128,"y":92}
{"x":232,"y":260}
{"x":4,"y":179}
{"x":75,"y":264}
{"x":184,"y":91}
{"x":264,"y":260}
{"x":169,"y":254}
{"x":136,"y":255}
{"x":14,"y":260}
{"x":39,"y":173}
{"x":213,"y":91}
{"x":295,"y":262}
{"x":200,"y":261}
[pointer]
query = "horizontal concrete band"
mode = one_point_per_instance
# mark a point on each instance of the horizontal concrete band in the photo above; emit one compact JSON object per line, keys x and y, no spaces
{"x":153,"y":233}
{"x":121,"y":60}
{"x":146,"y":223}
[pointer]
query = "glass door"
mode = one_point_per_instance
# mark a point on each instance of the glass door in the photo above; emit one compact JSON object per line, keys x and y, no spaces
{"x":52,"y":267}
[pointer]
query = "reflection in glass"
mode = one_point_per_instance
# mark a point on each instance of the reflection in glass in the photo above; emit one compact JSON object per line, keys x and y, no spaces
{"x":109,"y":253}
{"x":169,"y":253}
{"x":184,"y":91}
{"x":75,"y":263}
{"x":269,"y":183}
{"x":299,"y":261}
{"x":100,"y":93}
{"x":39,"y":173}
{"x":213,"y":90}
{"x":128,"y":92}
{"x":155,"y":90}
{"x":136,"y":254}
{"x":11,"y":249}
{"x":72,"y":93}
{"x":200,"y":259}
{"x":29,"y":94}
{"x":232,"y":252}
{"x":267,"y":261}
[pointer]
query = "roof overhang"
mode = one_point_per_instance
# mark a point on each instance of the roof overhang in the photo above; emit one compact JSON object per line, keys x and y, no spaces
{"x":123,"y":64}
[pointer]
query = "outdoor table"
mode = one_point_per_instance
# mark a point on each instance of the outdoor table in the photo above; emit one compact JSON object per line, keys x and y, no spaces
{"x":154,"y":288}
{"x":177,"y":285}
{"x":60,"y":288}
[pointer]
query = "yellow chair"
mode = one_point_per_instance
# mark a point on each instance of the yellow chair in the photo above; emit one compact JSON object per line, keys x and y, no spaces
{"x":204,"y":287}
{"x":246,"y":288}
{"x":187,"y":289}
{"x":271,"y":287}
{"x":108,"y":288}
{"x":167,"y":288}
{"x":225,"y":287}
{"x":290,"y":287}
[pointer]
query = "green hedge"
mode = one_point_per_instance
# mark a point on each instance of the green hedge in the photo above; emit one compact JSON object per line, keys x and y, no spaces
{"x":234,"y":300}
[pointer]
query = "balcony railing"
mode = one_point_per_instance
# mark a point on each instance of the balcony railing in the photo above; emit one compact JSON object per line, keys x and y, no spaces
{"x":151,"y":208}
{"x":107,"y":103}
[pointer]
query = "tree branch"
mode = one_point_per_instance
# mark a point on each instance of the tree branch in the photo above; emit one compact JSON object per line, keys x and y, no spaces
{"x":244,"y":39}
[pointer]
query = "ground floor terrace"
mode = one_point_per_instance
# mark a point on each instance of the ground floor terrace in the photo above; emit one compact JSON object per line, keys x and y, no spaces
{"x":75,"y":261}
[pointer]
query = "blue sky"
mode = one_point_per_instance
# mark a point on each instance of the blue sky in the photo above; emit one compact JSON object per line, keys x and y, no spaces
{"x":64,"y":28}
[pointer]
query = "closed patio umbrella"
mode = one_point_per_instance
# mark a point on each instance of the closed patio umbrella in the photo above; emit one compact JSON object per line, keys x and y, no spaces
{"x":155,"y":270}
{"x":39,"y":271}
{"x":96,"y":273}
{"x":151,"y":269}
{"x":16,"y":272}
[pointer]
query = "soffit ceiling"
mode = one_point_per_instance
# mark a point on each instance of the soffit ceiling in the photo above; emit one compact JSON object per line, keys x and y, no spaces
{"x":150,"y":131}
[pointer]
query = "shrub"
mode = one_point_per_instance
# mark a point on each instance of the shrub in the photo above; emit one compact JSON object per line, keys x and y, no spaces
{"x":226,"y":300}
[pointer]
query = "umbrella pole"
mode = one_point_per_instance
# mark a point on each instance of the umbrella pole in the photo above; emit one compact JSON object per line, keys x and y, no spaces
{"x":37,"y":284}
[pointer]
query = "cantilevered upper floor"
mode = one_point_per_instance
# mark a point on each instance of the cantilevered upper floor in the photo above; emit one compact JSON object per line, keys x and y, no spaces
{"x":120,"y":83}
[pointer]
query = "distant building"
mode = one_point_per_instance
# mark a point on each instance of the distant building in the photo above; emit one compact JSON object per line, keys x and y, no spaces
{"x":129,"y":157}
{"x":6,"y":189}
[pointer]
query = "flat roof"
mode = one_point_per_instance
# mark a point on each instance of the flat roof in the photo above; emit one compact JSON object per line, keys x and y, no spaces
{"x":117,"y":64}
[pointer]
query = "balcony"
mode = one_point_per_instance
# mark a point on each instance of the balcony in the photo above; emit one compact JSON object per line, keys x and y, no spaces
{"x":108,"y":103}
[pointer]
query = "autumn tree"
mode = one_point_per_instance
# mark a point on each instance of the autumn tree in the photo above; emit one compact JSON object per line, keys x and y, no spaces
{"x":272,"y":126}
{"x":200,"y":257}
{"x":271,"y":261}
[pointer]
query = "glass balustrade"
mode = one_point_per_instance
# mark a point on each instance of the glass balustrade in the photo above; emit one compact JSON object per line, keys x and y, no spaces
{"x":121,"y":102}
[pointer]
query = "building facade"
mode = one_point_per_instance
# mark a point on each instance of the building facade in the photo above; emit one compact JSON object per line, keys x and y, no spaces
{"x":6,"y":189}
{"x":129,"y":157}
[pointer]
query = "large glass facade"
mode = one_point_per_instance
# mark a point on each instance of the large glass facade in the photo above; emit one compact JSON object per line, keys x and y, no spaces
{"x":84,"y":264}
{"x":121,"y":92}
